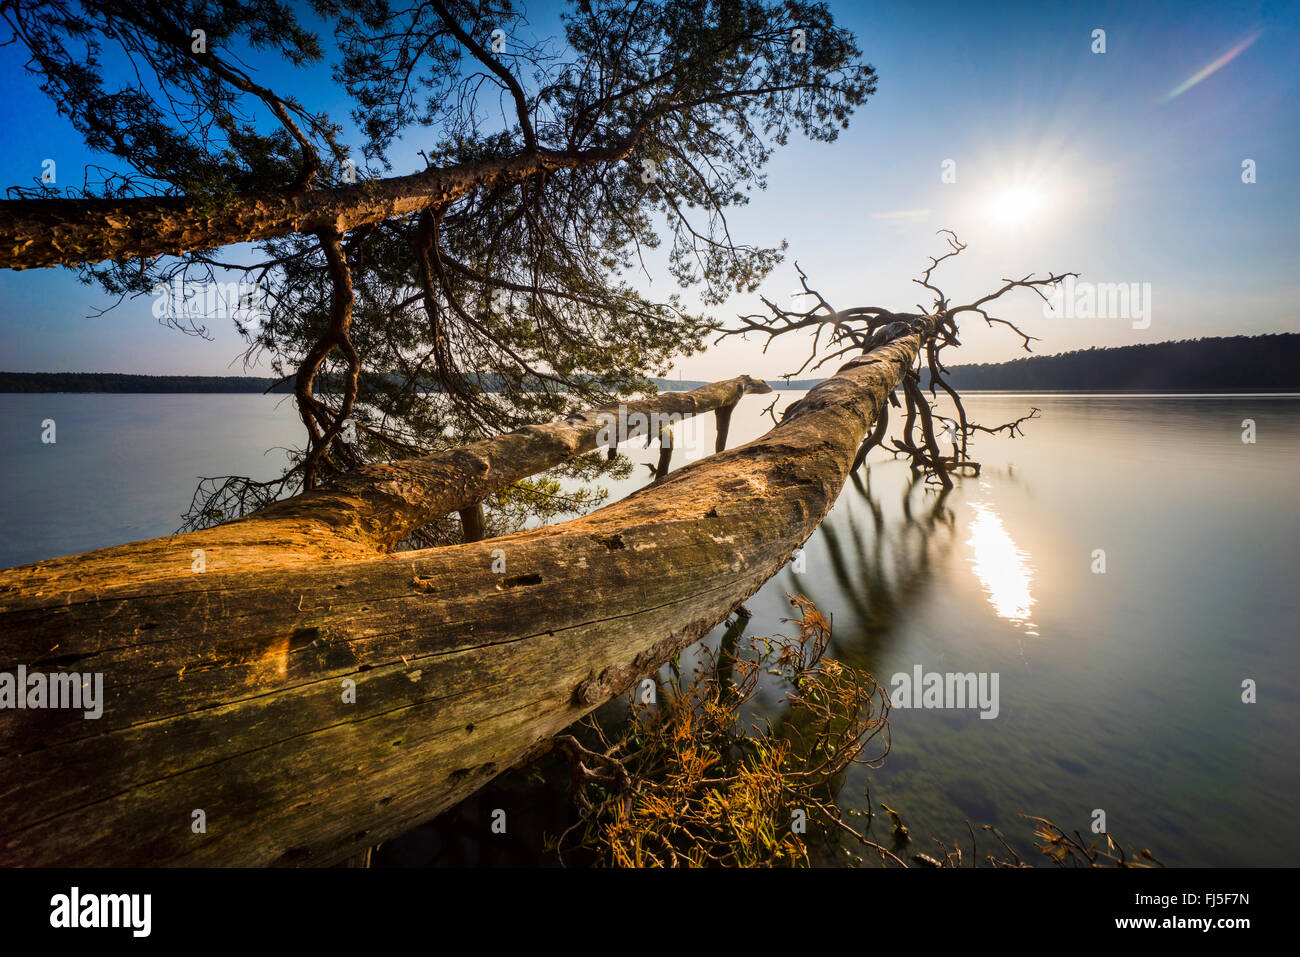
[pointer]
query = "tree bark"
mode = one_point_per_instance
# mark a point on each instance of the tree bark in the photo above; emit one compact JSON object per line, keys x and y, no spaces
{"x":471,"y":523}
{"x":723,"y":415}
{"x":69,"y":232}
{"x":228,"y":693}
{"x":369,"y":510}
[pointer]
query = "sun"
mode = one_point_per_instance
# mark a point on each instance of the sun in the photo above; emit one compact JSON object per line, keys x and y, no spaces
{"x":1016,"y":205}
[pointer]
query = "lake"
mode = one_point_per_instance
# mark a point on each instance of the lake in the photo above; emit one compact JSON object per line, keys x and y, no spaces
{"x":1119,"y":691}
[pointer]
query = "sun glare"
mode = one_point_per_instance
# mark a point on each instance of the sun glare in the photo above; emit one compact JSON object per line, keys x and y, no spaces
{"x":1015,"y":205}
{"x":1002,"y":568}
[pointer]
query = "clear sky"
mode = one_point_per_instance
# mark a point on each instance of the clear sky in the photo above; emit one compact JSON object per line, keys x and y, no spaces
{"x":1125,"y":166}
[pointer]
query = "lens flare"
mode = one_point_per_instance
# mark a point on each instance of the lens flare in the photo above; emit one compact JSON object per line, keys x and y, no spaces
{"x":1218,"y":64}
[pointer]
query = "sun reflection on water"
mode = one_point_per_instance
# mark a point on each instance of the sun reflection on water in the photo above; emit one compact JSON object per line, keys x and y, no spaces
{"x":1002,"y":568}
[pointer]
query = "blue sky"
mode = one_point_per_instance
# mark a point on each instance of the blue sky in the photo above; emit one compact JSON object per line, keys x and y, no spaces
{"x":1064,"y":159}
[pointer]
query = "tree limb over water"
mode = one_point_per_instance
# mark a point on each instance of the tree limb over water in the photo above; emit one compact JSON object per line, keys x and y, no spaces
{"x":313,"y":709}
{"x":838,"y":333}
{"x":549,"y":167}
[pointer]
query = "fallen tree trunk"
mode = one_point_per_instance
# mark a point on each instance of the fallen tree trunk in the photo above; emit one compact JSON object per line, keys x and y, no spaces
{"x":312,"y":710}
{"x":367,"y":511}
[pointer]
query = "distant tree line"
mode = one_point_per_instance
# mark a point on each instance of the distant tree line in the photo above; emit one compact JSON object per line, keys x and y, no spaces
{"x":114,"y":382}
{"x":118,"y":382}
{"x":1267,"y":363}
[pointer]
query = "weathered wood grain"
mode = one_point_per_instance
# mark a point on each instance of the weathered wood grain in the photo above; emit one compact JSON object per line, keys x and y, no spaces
{"x":370,"y":509}
{"x":224,"y":692}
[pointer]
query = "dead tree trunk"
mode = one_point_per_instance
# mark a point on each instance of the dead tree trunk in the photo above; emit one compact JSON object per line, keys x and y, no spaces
{"x":369,"y":510}
{"x":311,"y":709}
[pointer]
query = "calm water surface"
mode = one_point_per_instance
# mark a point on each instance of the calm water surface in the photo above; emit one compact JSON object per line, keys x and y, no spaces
{"x":1118,"y":691}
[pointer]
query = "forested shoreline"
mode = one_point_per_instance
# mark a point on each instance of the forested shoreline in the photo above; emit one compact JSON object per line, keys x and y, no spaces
{"x":1266,"y":363}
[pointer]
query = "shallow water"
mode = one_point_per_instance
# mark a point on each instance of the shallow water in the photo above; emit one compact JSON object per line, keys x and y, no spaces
{"x":1118,"y":691}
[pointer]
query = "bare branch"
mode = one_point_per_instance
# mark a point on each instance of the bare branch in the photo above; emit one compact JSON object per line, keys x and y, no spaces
{"x":834,"y":334}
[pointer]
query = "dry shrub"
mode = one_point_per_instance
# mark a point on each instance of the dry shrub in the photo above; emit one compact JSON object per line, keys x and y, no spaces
{"x":684,"y":782}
